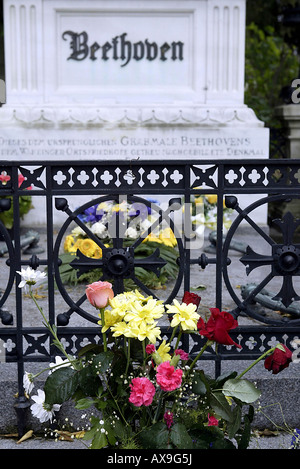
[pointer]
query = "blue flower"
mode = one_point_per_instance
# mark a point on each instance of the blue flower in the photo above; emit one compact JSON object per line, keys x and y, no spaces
{"x":295,"y":439}
{"x":91,"y":215}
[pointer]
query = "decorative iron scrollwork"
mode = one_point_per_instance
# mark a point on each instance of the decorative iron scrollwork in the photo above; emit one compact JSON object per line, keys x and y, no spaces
{"x":284,"y":258}
{"x":117,"y":262}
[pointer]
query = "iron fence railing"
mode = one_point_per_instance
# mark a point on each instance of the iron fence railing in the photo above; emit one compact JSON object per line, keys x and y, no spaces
{"x":56,"y":183}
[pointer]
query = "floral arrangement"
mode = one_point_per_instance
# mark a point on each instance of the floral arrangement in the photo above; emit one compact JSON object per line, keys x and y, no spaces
{"x":133,"y":220}
{"x":25,"y":203}
{"x":148,"y":392}
{"x":204,"y":213}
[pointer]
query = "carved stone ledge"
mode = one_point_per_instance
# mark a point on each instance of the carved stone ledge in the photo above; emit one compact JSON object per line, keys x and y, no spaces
{"x":85,"y":116}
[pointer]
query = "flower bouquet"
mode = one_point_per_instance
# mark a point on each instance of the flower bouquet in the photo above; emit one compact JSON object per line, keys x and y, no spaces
{"x":133,"y":220}
{"x":148,"y":392}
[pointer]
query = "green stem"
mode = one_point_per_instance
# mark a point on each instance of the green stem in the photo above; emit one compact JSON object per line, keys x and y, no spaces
{"x":50,"y":328}
{"x":271,"y":350}
{"x":102,"y":325}
{"x":178,"y":339}
{"x":158,"y":407}
{"x":128,"y":356}
{"x":117,"y":405}
{"x":173,"y":334}
{"x":209,"y":342}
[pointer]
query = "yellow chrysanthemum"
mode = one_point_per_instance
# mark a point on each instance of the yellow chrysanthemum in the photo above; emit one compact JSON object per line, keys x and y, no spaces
{"x":163,"y":350}
{"x":73,"y":249}
{"x":212,"y":198}
{"x":87,"y":247}
{"x":152,"y":238}
{"x":121,"y":303}
{"x":110,"y":319}
{"x":98,"y":252}
{"x":69,"y":242}
{"x":183,"y":314}
{"x":146,"y":331}
{"x":167,"y":237}
{"x":198,"y":200}
{"x":126,"y":329}
{"x":147,"y":312}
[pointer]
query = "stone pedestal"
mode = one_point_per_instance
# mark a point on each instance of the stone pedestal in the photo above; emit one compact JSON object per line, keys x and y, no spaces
{"x":290,"y":116}
{"x":123,"y":79}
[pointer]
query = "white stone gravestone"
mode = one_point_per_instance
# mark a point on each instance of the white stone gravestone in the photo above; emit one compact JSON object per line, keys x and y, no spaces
{"x":120,"y":79}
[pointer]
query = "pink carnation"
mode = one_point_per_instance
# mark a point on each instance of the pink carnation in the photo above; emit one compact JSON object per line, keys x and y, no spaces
{"x":212,"y":421}
{"x":167,"y":377}
{"x":168,"y":418}
{"x":142,"y":392}
{"x":150,"y":348}
{"x":183,"y":355}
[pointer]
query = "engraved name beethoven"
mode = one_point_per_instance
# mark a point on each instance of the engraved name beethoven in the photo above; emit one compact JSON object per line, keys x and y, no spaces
{"x":120,"y":48}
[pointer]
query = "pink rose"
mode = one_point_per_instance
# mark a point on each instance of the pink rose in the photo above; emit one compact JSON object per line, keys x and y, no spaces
{"x":142,"y":392}
{"x":99,"y":293}
{"x":167,"y":377}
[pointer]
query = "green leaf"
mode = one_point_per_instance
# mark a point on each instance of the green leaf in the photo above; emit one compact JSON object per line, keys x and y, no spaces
{"x":205,"y":379}
{"x":220,"y":406}
{"x":224,"y":377}
{"x":199,"y":287}
{"x":60,"y":385}
{"x":234,"y":426}
{"x":88,"y":382}
{"x":98,"y":438}
{"x":198,"y":386}
{"x":84,"y":403}
{"x":180,"y":437}
{"x":250,"y":414}
{"x":99,"y":441}
{"x":155,"y":437}
{"x":88,"y":349}
{"x":245,"y":438}
{"x":241,"y":389}
{"x":102,"y":361}
{"x":223,"y":443}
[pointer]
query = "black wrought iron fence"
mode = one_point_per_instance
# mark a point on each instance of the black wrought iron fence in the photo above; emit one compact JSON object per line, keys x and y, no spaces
{"x":268,"y":258}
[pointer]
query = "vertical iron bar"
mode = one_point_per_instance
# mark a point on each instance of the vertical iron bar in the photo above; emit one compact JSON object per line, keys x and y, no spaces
{"x":186,"y":223}
{"x":22,"y":402}
{"x":219,"y":251}
{"x":50,"y":263}
{"x":219,"y":246}
{"x":186,"y":244}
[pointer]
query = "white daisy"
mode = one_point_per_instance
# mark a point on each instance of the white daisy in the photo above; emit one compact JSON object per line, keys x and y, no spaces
{"x":59,"y":363}
{"x":30,"y":276}
{"x":28,"y":382}
{"x":41,"y":410}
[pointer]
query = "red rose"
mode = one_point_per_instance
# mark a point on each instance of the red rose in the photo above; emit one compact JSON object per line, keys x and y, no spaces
{"x":190,"y":297}
{"x":278,"y":360}
{"x":217,"y":327}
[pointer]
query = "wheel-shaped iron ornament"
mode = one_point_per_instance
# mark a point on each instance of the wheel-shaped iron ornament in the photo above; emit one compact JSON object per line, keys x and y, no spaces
{"x":283,"y":259}
{"x":118,"y":261}
{"x":5,"y":316}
